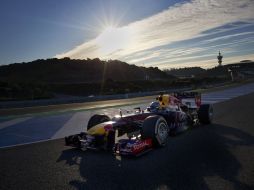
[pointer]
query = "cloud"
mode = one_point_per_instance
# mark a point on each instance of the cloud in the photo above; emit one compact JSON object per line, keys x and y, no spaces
{"x":88,"y":49}
{"x":163,"y":54}
{"x":228,"y":36}
{"x":179,"y":22}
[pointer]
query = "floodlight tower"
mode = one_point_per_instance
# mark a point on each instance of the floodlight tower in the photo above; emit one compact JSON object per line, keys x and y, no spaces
{"x":219,"y":57}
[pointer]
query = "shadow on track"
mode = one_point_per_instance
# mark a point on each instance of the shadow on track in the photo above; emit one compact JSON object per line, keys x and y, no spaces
{"x":201,"y":158}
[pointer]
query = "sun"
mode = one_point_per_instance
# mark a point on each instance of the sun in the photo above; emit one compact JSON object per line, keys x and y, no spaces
{"x":113,"y":39}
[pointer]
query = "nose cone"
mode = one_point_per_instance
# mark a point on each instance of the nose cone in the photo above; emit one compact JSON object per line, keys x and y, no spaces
{"x":101,"y":128}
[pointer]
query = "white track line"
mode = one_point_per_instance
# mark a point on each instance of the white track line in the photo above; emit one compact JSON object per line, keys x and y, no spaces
{"x":21,"y":144}
{"x":13,"y":122}
{"x":76,"y":124}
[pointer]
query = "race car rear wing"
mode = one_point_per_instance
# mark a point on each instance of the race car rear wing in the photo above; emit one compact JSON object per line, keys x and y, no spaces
{"x":188,"y":95}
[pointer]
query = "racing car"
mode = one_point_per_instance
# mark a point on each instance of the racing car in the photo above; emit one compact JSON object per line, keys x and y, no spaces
{"x":142,"y":130}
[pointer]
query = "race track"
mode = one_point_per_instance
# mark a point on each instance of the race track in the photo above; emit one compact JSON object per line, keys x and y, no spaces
{"x":216,"y":157}
{"x":54,"y":122}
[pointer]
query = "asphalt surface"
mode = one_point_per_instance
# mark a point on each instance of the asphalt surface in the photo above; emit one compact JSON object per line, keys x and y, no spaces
{"x":216,"y":156}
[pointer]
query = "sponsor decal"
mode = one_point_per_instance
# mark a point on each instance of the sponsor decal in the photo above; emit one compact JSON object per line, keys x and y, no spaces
{"x":142,"y":144}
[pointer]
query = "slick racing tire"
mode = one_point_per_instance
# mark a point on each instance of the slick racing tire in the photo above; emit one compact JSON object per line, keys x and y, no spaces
{"x":97,"y":119}
{"x":156,"y":128}
{"x":205,"y":114}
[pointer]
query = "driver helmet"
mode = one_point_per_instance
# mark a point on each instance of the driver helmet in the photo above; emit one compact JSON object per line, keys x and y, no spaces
{"x":154,"y":106}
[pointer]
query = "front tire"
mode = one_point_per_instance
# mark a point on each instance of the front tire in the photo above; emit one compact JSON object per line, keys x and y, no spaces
{"x":74,"y":140}
{"x":156,"y":128}
{"x":205,"y":114}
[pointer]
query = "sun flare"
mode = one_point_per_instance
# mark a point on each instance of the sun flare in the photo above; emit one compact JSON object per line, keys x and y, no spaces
{"x":113,"y":39}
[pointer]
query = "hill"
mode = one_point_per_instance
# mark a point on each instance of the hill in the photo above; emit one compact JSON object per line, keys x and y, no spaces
{"x":77,"y":71}
{"x":59,"y":77}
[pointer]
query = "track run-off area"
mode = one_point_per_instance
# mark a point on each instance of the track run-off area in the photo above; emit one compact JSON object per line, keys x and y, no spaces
{"x":51,"y":123}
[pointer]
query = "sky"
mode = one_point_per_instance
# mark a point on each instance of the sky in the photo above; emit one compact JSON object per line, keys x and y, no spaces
{"x":158,"y":33}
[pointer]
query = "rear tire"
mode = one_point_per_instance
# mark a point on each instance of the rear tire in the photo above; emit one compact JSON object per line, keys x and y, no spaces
{"x":97,"y":119}
{"x":205,"y":114}
{"x":156,"y":128}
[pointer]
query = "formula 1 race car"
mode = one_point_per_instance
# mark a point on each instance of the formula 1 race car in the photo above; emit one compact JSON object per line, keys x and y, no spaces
{"x":138,"y":132}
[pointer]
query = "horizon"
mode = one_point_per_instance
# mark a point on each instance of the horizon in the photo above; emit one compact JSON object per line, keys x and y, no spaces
{"x":171,"y":68}
{"x":129,"y":31}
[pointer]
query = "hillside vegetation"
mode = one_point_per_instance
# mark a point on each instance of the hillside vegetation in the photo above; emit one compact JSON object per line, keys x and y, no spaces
{"x":77,"y":71}
{"x":45,"y":78}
